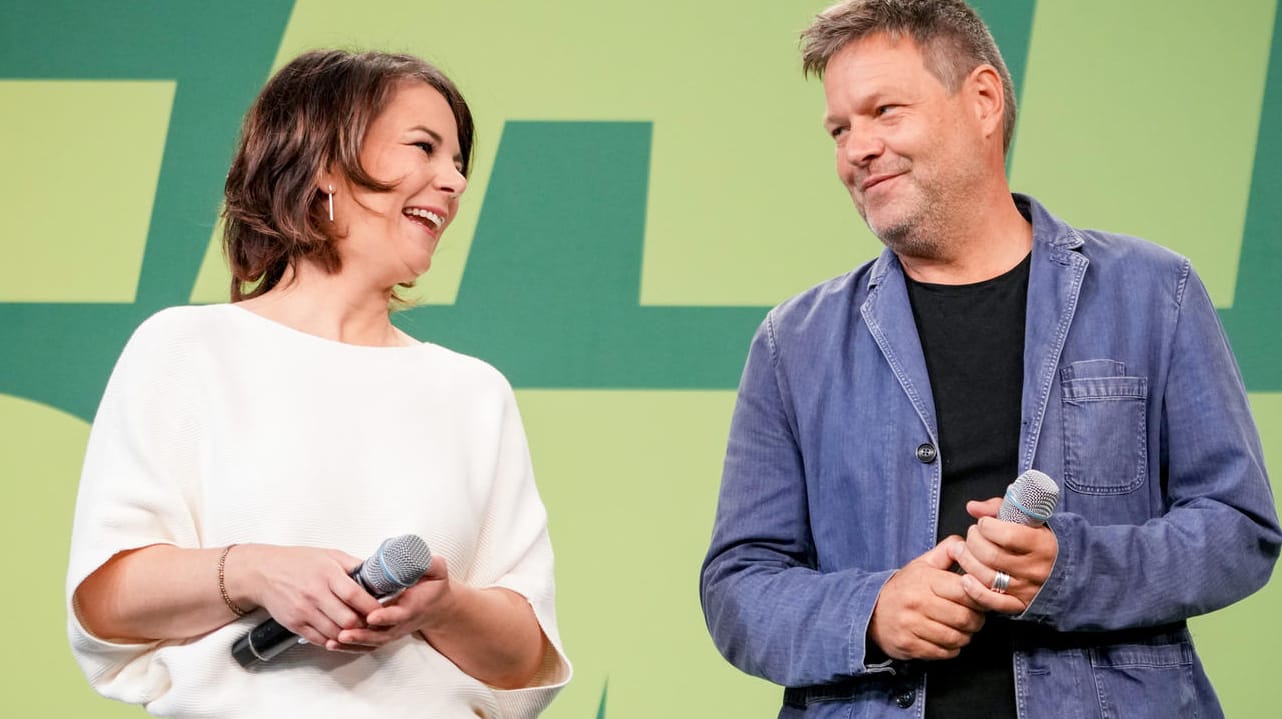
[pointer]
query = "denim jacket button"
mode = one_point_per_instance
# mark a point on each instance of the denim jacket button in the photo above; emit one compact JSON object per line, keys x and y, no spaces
{"x":927,"y":453}
{"x":905,"y":698}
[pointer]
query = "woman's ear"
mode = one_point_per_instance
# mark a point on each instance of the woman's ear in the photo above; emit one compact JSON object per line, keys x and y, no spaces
{"x":327,"y":185}
{"x":327,"y":182}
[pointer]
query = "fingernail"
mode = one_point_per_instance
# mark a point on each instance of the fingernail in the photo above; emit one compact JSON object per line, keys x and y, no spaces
{"x":968,"y":583}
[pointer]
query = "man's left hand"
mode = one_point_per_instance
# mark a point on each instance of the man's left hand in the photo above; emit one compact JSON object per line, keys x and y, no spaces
{"x":1025,"y":554}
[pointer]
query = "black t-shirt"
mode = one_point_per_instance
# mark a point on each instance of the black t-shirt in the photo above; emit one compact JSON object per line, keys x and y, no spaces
{"x":973,"y":340}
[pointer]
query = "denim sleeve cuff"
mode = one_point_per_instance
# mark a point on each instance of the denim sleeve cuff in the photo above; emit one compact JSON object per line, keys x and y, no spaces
{"x":866,"y":657}
{"x":1049,"y":601}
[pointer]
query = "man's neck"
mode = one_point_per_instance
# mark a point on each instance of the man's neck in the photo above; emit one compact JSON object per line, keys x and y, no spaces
{"x":980,"y":247}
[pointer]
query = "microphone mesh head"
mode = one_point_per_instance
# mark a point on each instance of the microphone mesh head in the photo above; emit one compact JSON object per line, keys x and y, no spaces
{"x":1030,"y":499}
{"x":398,"y":563}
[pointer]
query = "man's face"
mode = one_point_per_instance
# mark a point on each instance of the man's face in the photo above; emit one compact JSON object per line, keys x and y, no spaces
{"x":906,"y":149}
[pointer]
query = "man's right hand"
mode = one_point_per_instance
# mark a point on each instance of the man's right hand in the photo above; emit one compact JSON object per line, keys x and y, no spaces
{"x":922,"y":612}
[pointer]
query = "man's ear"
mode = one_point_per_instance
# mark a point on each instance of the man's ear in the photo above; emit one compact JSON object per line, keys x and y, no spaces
{"x":988,"y":98}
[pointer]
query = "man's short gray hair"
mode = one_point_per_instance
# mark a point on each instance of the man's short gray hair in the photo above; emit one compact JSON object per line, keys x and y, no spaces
{"x":953,"y":38}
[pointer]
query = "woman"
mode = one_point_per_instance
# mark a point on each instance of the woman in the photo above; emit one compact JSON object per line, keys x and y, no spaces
{"x":247,"y":456}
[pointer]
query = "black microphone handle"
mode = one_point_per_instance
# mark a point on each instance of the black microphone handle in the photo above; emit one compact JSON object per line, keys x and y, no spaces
{"x":263,"y":643}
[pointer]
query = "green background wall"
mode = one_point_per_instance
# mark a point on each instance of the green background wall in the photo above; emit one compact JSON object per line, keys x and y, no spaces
{"x":650,"y":178}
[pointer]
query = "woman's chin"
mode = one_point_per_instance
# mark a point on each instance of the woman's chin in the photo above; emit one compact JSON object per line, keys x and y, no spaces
{"x":413,"y":273}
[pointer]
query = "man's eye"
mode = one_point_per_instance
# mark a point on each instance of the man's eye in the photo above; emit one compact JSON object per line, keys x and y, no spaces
{"x":883,"y":109}
{"x":837,"y":132}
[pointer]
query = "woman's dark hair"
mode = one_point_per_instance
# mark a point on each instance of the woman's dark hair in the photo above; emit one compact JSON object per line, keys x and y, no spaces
{"x":311,"y":117}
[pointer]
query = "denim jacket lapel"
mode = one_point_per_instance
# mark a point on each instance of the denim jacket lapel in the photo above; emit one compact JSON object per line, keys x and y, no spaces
{"x":1054,"y":283}
{"x":889,"y":318}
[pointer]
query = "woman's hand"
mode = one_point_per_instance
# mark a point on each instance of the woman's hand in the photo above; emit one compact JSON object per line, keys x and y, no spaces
{"x":308,"y":590}
{"x":424,"y":605}
{"x":490,"y":633}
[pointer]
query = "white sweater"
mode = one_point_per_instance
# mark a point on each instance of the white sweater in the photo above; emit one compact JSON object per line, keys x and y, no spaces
{"x":220,"y":426}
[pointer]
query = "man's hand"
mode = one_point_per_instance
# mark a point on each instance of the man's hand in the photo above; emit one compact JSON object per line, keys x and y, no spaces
{"x":1025,"y":554}
{"x":922,"y":611}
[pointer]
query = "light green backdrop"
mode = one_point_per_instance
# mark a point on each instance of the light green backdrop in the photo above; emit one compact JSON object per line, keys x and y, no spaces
{"x":650,"y":177}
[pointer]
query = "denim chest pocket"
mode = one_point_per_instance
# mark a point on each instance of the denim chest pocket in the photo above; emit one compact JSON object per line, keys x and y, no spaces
{"x":1105,"y":428}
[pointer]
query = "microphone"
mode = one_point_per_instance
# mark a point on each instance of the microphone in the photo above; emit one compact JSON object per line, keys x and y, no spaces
{"x":398,"y":563}
{"x":1030,"y":499}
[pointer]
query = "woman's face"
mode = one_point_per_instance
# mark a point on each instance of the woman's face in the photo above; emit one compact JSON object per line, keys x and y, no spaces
{"x":389,"y":237}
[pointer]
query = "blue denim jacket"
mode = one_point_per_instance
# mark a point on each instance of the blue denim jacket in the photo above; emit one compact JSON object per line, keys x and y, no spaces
{"x":1131,"y":400}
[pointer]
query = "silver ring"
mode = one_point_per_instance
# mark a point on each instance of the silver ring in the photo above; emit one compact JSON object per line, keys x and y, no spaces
{"x":1001,"y":583}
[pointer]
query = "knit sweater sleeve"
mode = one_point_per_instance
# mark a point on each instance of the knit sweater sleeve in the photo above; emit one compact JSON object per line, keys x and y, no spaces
{"x":135,"y":490}
{"x":514,"y":552}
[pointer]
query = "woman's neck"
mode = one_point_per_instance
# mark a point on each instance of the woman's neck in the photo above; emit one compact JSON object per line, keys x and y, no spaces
{"x":334,"y":306}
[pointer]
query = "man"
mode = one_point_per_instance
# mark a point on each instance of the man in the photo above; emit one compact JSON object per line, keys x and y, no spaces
{"x":878,"y":409}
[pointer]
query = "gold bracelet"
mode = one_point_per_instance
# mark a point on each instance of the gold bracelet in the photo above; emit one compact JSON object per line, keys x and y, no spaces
{"x":222,"y":583}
